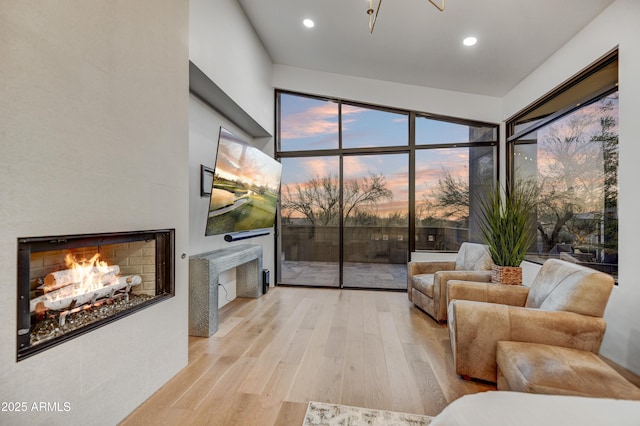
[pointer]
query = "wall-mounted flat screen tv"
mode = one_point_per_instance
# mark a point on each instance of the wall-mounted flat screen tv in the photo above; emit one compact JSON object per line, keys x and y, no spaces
{"x":246,"y":184}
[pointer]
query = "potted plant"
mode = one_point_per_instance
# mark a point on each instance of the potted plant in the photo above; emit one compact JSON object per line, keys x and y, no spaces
{"x":506,"y":228}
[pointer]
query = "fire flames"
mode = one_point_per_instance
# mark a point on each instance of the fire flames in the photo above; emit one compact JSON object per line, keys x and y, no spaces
{"x":80,"y":276}
{"x":84,"y":281}
{"x":92,"y":273}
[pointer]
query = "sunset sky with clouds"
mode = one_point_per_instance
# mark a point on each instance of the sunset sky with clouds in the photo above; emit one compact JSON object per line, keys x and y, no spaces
{"x":312,"y":124}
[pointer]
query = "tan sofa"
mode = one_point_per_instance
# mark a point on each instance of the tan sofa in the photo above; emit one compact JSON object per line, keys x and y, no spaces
{"x":563,"y":307}
{"x":427,"y":281}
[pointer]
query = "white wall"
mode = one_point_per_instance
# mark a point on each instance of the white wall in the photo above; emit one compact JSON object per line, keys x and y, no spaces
{"x":204,"y":126}
{"x":224,"y":46}
{"x":377,"y":92}
{"x":94,"y":107}
{"x":617,"y":25}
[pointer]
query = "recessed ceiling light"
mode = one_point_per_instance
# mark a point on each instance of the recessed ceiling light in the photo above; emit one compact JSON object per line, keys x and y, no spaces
{"x":469,"y":41}
{"x":308,"y":23}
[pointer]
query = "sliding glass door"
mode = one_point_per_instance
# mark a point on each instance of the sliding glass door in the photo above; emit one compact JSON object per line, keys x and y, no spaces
{"x":376,"y":221}
{"x":310,"y":222}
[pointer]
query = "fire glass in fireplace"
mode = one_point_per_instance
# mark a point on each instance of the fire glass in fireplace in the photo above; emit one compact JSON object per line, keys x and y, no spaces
{"x":69,"y":285}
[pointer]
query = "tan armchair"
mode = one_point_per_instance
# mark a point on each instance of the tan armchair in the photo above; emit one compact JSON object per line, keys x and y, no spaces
{"x":427,"y":281}
{"x":563,"y":307}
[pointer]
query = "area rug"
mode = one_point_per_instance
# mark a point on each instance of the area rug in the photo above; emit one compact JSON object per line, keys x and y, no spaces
{"x":321,"y":413}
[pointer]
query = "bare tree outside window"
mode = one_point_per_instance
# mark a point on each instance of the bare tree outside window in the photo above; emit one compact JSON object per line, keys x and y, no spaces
{"x":447,"y":202}
{"x":318,"y":199}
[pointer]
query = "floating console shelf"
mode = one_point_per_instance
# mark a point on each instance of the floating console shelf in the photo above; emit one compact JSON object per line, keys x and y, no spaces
{"x":204,"y":272}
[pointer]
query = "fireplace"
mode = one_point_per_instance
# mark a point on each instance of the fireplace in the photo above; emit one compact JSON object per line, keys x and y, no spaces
{"x":70,"y":285}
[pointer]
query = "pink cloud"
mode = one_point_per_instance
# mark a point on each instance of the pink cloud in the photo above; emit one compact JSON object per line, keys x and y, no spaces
{"x":354,"y":167}
{"x":322,"y":166}
{"x":315,"y":121}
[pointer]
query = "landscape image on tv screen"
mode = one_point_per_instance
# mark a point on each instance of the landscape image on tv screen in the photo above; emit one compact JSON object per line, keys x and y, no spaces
{"x":246,"y":183}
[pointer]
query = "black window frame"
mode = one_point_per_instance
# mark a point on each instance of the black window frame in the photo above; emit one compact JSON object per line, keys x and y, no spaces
{"x":410,"y":148}
{"x":597,"y":76}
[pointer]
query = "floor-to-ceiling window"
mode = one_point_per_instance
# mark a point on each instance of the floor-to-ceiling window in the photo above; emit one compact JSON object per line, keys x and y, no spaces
{"x":567,"y":147}
{"x":363,"y":186}
{"x":455,"y":162}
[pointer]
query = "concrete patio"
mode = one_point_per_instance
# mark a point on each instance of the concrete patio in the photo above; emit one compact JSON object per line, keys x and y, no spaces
{"x":326,"y":274}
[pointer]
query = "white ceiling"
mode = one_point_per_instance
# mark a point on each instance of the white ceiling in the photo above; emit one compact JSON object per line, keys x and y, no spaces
{"x":414,"y":43}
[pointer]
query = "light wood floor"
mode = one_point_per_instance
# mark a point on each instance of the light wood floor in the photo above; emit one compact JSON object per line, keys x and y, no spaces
{"x":272,"y":355}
